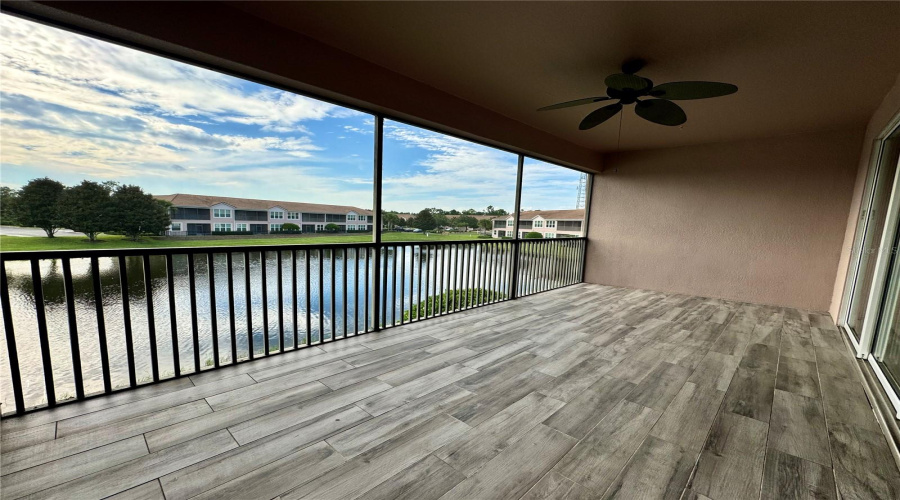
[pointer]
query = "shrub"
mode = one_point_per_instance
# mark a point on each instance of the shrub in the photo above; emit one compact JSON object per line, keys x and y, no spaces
{"x":288,"y":226}
{"x":533,"y":235}
{"x":451,"y":300}
{"x":332,"y":228}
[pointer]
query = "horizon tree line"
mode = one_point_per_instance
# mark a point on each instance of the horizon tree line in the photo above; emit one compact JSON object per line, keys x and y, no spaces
{"x":90,"y":208}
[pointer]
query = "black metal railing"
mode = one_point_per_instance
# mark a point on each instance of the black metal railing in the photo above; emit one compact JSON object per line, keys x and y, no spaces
{"x":79,"y":324}
{"x":547,"y":264}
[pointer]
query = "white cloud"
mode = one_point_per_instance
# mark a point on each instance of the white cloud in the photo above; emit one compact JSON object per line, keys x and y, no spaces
{"x":57,"y":67}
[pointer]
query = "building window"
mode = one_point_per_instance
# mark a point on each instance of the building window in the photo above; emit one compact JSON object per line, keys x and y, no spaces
{"x":294,"y":215}
{"x":176,"y":226}
{"x":550,"y":235}
{"x":351,"y":216}
{"x":242,"y":227}
{"x":551,"y":223}
{"x":275,"y":227}
{"x":320,"y":227}
{"x":221,"y":227}
{"x":538,"y":223}
{"x":276,"y":215}
{"x":509,"y":223}
{"x":351,"y":227}
{"x":222,"y":213}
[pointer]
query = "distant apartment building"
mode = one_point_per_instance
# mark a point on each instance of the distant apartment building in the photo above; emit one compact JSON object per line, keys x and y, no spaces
{"x":194,"y":214}
{"x":550,"y":223}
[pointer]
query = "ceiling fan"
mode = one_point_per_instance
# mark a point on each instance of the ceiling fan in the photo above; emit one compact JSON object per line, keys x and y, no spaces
{"x":650,"y":103}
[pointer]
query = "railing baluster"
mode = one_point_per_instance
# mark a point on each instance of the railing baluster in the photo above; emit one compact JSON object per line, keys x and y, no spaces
{"x":321,"y":296}
{"x":12,"y":351}
{"x":403,"y":283}
{"x":47,"y":363}
{"x":366,"y":292}
{"x":308,"y":299}
{"x":249,"y":306}
{"x":101,"y":322}
{"x":419,"y":297}
{"x":412,"y":280}
{"x":151,"y":320}
{"x":394,"y":287}
{"x":497,"y":268}
{"x":195,"y":330}
{"x":554,"y":264}
{"x":229,"y":267}
{"x":263,"y":272}
{"x":544,"y":260}
{"x":468,"y":279}
{"x":74,"y":347}
{"x":280,"y":295}
{"x":333,"y":316}
{"x":571,"y":267}
{"x":435,"y":282}
{"x":457,"y":279}
{"x":294,"y":298}
{"x":356,"y":291}
{"x":344,"y":273}
{"x":469,"y":276}
{"x":384,"y":283}
{"x":213,"y":316}
{"x":126,"y":318}
{"x":173,"y":317}
{"x":483,"y":269}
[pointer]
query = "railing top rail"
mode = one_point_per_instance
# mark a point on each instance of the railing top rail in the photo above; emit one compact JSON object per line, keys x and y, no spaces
{"x":116,"y":252}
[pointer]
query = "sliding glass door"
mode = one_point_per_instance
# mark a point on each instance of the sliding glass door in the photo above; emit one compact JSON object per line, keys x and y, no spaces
{"x":871,"y":308}
{"x":871,"y":227}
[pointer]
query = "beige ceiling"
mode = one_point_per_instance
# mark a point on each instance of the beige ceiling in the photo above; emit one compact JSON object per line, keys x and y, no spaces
{"x":799,"y":66}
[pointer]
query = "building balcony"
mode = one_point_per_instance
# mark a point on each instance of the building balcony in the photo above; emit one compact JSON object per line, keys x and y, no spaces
{"x":645,"y":395}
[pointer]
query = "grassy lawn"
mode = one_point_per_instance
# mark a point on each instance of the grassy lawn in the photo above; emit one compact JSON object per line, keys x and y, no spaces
{"x":24,"y":243}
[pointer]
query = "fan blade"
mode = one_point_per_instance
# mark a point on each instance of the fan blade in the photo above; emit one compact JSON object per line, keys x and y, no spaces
{"x":660,"y":111}
{"x":682,"y":91}
{"x":576,"y":102}
{"x":599,"y":116}
{"x":622,"y":81}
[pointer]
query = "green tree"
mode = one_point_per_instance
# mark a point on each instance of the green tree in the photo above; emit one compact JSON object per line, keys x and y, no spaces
{"x":424,"y":220}
{"x":85,"y":208}
{"x":486,"y":224}
{"x":8,"y":199}
{"x":136,"y":212}
{"x":534,"y":235}
{"x":290,"y":226}
{"x":390,"y":219}
{"x":469,"y":211}
{"x":332,"y":228}
{"x":36,"y":204}
{"x":467,"y":221}
{"x":441,"y":220}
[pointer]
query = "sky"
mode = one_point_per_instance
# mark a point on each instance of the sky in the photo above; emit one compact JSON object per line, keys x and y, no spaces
{"x":74,"y":108}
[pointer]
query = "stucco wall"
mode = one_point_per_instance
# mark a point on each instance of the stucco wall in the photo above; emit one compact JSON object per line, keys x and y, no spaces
{"x":759,"y":221}
{"x":889,"y":108}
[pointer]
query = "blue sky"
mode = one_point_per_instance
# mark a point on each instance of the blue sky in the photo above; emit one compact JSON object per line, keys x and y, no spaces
{"x":76,"y":108}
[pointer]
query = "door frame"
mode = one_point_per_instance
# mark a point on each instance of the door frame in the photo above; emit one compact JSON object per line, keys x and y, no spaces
{"x":863,"y":347}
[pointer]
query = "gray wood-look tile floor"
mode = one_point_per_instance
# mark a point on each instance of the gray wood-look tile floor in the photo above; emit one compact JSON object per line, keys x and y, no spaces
{"x":584,"y":392}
